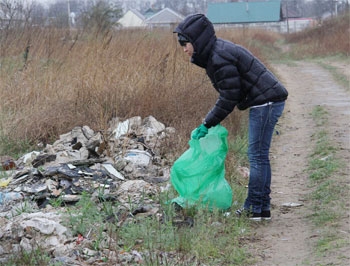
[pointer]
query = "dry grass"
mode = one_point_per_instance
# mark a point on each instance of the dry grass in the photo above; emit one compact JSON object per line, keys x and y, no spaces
{"x":86,"y":80}
{"x":330,"y":38}
{"x":69,"y":79}
{"x":81,"y":79}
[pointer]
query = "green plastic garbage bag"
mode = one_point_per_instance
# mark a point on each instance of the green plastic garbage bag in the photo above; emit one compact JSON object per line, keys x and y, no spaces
{"x":198,"y":175}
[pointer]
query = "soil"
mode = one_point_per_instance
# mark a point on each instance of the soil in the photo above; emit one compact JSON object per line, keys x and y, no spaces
{"x":290,"y":237}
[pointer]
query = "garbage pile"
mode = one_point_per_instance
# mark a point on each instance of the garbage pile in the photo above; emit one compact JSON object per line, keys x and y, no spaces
{"x":123,"y":164}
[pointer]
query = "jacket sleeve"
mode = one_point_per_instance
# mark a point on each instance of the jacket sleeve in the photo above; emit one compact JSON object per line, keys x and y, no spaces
{"x":228,"y":83}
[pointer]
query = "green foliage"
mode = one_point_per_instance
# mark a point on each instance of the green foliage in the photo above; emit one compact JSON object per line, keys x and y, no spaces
{"x":85,"y":216}
{"x":29,"y":258}
{"x":327,"y":192}
{"x":24,"y":207}
{"x":322,"y":163}
{"x":319,"y":114}
{"x":237,"y":157}
{"x":213,"y":238}
{"x":328,"y":201}
{"x":14,"y":147}
{"x":239,"y":147}
{"x":339,"y":77}
{"x":329,"y":242}
{"x":57,"y":202}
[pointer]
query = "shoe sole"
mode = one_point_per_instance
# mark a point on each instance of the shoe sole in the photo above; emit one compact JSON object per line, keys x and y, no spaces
{"x":255,"y":219}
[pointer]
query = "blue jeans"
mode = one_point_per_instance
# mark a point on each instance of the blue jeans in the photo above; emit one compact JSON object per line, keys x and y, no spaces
{"x":262,"y":121}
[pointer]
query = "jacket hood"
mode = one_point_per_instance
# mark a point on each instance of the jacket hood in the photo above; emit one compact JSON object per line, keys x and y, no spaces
{"x":200,"y":32}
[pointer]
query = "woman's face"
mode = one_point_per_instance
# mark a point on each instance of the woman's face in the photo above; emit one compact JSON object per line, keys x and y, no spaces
{"x":188,"y":49}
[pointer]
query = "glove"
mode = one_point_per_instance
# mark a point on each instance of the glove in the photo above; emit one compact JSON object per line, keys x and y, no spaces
{"x":199,"y":132}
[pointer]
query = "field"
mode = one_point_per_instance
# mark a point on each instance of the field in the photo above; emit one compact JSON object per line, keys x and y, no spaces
{"x":52,"y":80}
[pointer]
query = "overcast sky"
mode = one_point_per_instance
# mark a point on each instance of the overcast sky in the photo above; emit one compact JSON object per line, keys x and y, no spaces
{"x":45,"y":1}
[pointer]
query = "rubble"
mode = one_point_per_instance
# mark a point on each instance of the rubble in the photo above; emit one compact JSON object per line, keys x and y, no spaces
{"x":123,"y":164}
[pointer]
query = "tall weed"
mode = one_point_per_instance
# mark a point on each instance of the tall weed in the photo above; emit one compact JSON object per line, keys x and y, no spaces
{"x":329,"y":38}
{"x":52,"y":81}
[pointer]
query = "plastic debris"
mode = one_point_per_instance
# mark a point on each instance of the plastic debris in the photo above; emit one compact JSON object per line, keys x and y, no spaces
{"x":292,"y":204}
{"x":8,"y":165}
{"x":5,"y":182}
{"x":9,"y":196}
{"x":138,"y":157}
{"x":111,"y":170}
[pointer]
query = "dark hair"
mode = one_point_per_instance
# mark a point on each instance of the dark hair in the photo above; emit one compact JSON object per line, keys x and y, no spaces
{"x":182,"y":39}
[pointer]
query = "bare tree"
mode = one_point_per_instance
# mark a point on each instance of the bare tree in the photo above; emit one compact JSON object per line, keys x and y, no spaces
{"x":101,"y":17}
{"x":15,"y":18}
{"x":11,"y":13}
{"x":38,"y":15}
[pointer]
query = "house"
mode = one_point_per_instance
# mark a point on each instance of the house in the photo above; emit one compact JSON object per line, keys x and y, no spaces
{"x":150,"y":12}
{"x":165,"y":18}
{"x":132,"y":19}
{"x":267,"y":15}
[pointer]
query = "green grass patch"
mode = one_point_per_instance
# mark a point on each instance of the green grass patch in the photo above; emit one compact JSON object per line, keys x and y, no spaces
{"x":339,"y":77}
{"x":33,"y":257}
{"x":319,"y":115}
{"x":14,"y":147}
{"x":214,"y":237}
{"x":327,"y":195}
{"x":239,"y":146}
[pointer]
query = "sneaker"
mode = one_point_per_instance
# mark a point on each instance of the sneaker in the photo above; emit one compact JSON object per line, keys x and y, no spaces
{"x":253,"y":216}
{"x":266,"y":215}
{"x":256,"y":217}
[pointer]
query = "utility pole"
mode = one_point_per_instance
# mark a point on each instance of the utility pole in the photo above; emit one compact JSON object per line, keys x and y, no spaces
{"x":336,"y":7}
{"x":68,"y":10}
{"x":287,"y":16}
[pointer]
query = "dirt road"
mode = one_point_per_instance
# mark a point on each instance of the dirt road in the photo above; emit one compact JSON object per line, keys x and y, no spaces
{"x":290,"y":238}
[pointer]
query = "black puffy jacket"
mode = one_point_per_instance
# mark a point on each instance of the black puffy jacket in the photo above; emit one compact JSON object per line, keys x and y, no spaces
{"x":239,"y":77}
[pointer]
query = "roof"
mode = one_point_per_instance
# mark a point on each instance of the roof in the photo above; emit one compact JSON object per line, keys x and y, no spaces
{"x":132,"y":18}
{"x":165,"y":16}
{"x":244,"y":12}
{"x":150,"y":12}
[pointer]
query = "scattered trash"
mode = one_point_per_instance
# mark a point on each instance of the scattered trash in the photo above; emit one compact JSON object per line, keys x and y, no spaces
{"x":244,"y":171}
{"x":124,"y":165}
{"x":8,"y":164}
{"x":292,"y":204}
{"x":6,"y":197}
{"x":111,"y":170}
{"x":28,"y":158}
{"x":138,"y":157}
{"x":121,"y":129}
{"x":5,"y":182}
{"x":80,"y":239}
{"x":326,"y":158}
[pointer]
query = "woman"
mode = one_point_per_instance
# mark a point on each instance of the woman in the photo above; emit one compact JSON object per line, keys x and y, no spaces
{"x":243,"y":81}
